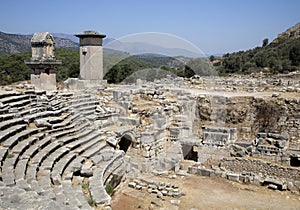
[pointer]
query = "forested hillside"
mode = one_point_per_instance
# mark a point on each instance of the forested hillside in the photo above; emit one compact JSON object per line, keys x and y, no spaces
{"x":13,"y":68}
{"x":117,"y":65}
{"x":280,"y":56}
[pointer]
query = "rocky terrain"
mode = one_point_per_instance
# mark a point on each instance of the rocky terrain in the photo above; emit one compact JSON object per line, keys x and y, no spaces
{"x":291,"y":33}
{"x":69,"y":149}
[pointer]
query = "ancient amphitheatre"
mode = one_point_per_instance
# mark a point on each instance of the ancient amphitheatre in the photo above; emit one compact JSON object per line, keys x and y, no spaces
{"x":197,"y":143}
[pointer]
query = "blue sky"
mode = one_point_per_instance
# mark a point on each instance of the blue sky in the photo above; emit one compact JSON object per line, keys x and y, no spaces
{"x":215,"y":26}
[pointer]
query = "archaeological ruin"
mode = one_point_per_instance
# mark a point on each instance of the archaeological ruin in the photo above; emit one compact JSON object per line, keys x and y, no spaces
{"x":68,"y":148}
{"x":43,"y":63}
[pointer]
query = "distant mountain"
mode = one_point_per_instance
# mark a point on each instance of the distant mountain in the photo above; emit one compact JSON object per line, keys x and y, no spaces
{"x":66,"y":36}
{"x":135,"y":48}
{"x":16,"y":43}
{"x":76,"y":39}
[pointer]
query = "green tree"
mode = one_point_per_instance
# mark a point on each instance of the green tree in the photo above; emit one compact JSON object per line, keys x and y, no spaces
{"x":265,"y":42}
{"x":295,"y":55}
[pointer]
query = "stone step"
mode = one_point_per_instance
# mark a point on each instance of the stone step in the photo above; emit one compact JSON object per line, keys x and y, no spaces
{"x":87,"y":103}
{"x":74,"y":195}
{"x":71,"y":118}
{"x":60,"y":166}
{"x":63,"y":150}
{"x":37,"y":160}
{"x":3,"y":154}
{"x":8,"y":123}
{"x":53,"y":157}
{"x":11,"y":142}
{"x":10,"y":131}
{"x":20,"y":169}
{"x":32,"y":117}
{"x":70,"y":131}
{"x":93,"y":151}
{"x":20,"y":104}
{"x":22,"y":146}
{"x":97,"y":188}
{"x":84,"y":139}
{"x":8,"y":176}
{"x":44,"y":180}
{"x":7,"y":116}
{"x":33,"y":150}
{"x":74,"y":166}
{"x":14,"y":98}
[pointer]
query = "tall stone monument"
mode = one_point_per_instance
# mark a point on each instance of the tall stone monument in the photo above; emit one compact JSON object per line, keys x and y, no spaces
{"x":43,"y":63}
{"x":91,"y":63}
{"x":91,"y":55}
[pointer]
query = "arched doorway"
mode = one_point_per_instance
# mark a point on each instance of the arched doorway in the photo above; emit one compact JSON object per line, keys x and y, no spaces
{"x":125,"y":142}
{"x":190,"y":152}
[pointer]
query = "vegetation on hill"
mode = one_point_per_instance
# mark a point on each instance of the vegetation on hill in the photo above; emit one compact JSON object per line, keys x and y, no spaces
{"x":118,"y":66}
{"x":13,"y":68}
{"x":152,"y":66}
{"x":280,"y":56}
{"x":277,"y":57}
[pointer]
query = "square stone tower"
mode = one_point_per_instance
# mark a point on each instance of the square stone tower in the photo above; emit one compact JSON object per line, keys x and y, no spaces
{"x":91,"y":55}
{"x":43,"y":63}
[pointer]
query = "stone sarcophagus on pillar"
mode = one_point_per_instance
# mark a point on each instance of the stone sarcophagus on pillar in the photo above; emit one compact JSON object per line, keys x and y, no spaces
{"x":43,"y":63}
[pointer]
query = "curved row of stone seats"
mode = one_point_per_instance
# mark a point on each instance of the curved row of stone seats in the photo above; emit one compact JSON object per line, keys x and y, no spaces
{"x":84,"y":103}
{"x":16,"y":97}
{"x":70,"y":130}
{"x":54,"y":144}
{"x":43,"y":142}
{"x":10,"y":131}
{"x":67,"y":121}
{"x":32,"y":117}
{"x":100,"y":174}
{"x":7,"y":116}
{"x":60,"y":101}
{"x":83,"y":145}
{"x":64,"y":149}
{"x":74,"y":164}
{"x":45,"y":161}
{"x":10,"y":144}
{"x":20,"y":149}
{"x":6,"y":94}
{"x":93,"y":147}
{"x":9,"y":123}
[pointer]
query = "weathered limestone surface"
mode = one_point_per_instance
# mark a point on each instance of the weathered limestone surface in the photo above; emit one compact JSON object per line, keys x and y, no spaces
{"x":43,"y":63}
{"x":52,"y":143}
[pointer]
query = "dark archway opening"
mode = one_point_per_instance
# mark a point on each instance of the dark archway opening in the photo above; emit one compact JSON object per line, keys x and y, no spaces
{"x":125,"y":143}
{"x":47,"y":71}
{"x":294,"y":161}
{"x":190,"y":152}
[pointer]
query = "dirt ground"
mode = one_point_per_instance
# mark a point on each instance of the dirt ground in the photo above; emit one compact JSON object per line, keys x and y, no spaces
{"x":206,"y":193}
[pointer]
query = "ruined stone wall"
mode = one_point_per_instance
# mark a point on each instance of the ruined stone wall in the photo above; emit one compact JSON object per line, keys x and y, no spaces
{"x":266,"y":169}
{"x":251,"y":115}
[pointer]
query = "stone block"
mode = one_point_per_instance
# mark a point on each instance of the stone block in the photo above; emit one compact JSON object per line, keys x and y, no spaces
{"x":175,"y":202}
{"x":233,"y":177}
{"x":272,"y":187}
{"x":203,"y":172}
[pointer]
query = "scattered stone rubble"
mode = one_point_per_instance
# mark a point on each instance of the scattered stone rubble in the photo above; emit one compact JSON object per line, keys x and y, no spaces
{"x":161,"y":189}
{"x":53,"y":143}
